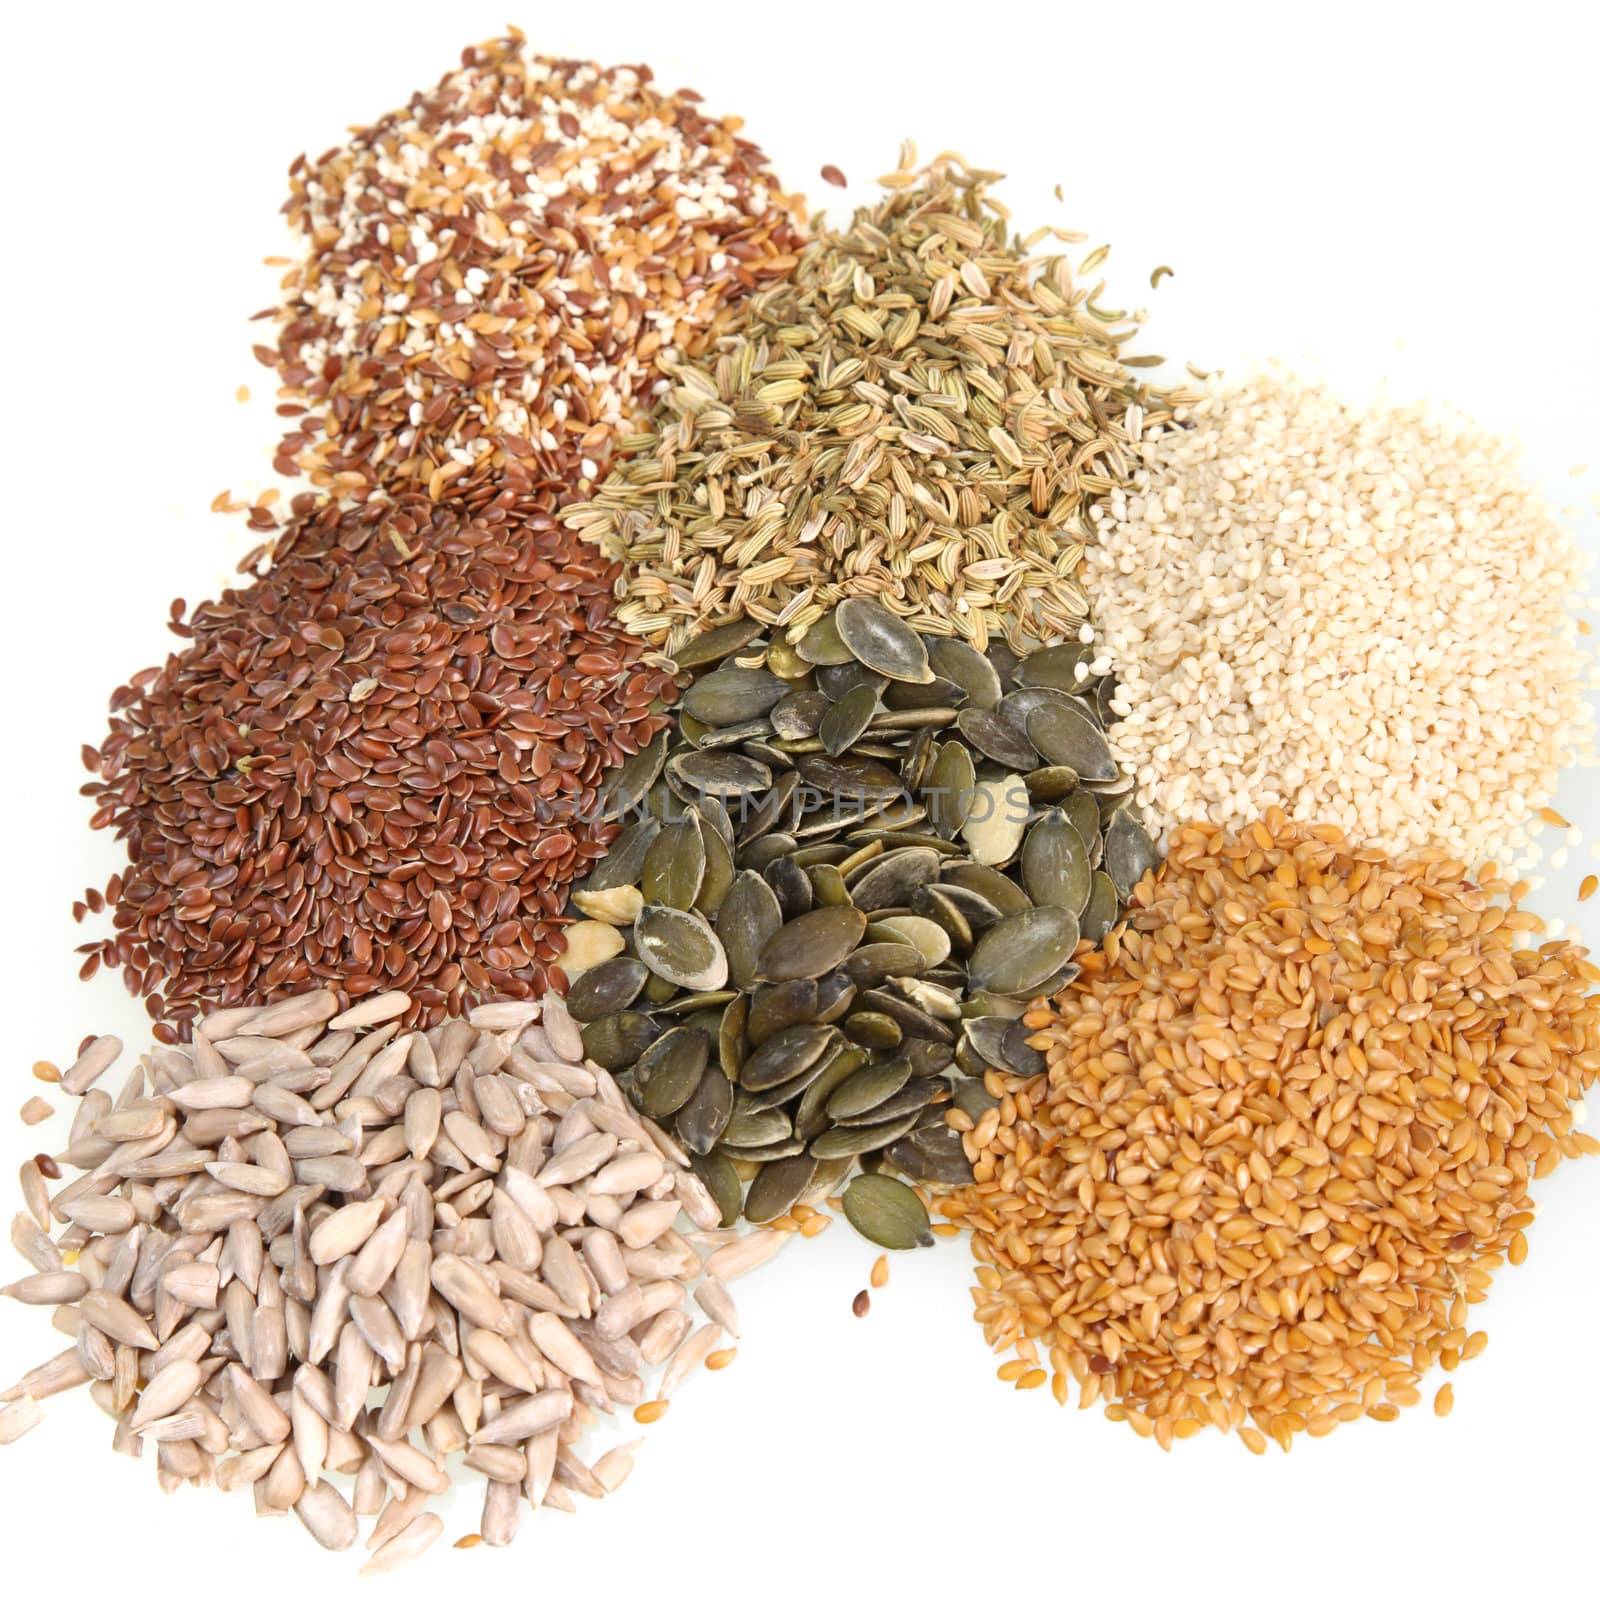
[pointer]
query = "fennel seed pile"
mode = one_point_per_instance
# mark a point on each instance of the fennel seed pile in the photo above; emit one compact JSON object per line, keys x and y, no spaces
{"x":921,"y":415}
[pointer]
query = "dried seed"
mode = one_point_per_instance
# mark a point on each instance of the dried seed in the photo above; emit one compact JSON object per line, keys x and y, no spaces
{"x":887,"y":1212}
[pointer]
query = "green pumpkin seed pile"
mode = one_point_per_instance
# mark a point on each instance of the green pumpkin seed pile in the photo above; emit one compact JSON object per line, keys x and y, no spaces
{"x":841,"y":877}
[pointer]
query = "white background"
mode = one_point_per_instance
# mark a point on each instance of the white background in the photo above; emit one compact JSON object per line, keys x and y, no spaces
{"x":1405,"y":191}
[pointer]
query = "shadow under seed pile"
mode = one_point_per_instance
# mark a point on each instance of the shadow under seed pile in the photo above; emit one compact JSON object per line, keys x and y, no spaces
{"x":372,"y":768}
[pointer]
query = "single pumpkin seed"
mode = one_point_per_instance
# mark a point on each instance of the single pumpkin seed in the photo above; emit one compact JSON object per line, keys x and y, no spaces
{"x":608,"y":988}
{"x":859,"y":1141}
{"x":675,"y":866}
{"x":704,"y":1116}
{"x":813,"y":944}
{"x":998,"y":819}
{"x":846,"y":720}
{"x":893,"y":878}
{"x":1066,"y":739}
{"x":746,"y":921}
{"x":882,"y":641}
{"x":887,"y":1212}
{"x":956,"y":660}
{"x":615,"y":1042}
{"x":733,"y":694}
{"x":722,"y":1183}
{"x":1055,"y":864}
{"x":1129,"y":854}
{"x":1100,"y":915}
{"x":680,"y":947}
{"x":869,"y":1087}
{"x":996,"y":740}
{"x":786,"y":1055}
{"x":669,"y":1072}
{"x":716,"y":644}
{"x":1022,"y":951}
{"x":778,"y":1187}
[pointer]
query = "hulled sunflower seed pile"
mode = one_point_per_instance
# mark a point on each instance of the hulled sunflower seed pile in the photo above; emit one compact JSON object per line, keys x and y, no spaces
{"x":307,"y":1205}
{"x":921,"y":415}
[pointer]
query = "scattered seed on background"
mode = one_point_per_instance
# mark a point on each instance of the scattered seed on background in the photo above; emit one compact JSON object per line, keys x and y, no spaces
{"x":862,"y":1303}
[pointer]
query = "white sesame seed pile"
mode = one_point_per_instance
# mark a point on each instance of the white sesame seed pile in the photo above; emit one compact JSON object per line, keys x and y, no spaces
{"x":1359,"y":615}
{"x":492,"y":274}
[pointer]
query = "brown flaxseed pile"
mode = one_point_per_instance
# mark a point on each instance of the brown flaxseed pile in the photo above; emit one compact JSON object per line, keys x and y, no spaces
{"x":1285,"y":1138}
{"x":492,"y":274}
{"x":375,"y":767}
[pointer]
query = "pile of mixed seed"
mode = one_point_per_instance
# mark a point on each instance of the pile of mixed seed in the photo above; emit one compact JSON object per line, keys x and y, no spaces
{"x":694,"y":758}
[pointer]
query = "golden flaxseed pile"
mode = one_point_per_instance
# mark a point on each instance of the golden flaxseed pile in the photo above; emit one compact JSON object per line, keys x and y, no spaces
{"x":1290,"y":1117}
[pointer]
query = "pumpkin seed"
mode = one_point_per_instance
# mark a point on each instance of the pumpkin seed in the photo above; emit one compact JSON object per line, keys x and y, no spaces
{"x":733,"y":694}
{"x":612,"y":986}
{"x":799,"y":714}
{"x":1023,"y":951}
{"x":622,"y":864}
{"x":882,"y":641}
{"x":788,"y":881}
{"x":786,"y":1055}
{"x":932,"y":1155}
{"x":717,"y":1173}
{"x":810,"y":1116}
{"x":995,"y":887}
{"x":752,"y":1127}
{"x":1066,"y":739}
{"x":626,"y":786}
{"x":669,"y":1072}
{"x":675,"y":866}
{"x":746,"y":921}
{"x":1100,"y":915}
{"x":1048,"y":784}
{"x":822,"y":645}
{"x":716,"y":644}
{"x":994,"y":738}
{"x":867,"y":1088}
{"x":812,"y":944}
{"x":778,"y":1187}
{"x":956,"y":661}
{"x":704,"y":1116}
{"x":724,"y":774}
{"x":840,"y":1141}
{"x":1129,"y":854}
{"x":618,"y":1041}
{"x":847,"y":718}
{"x":997,"y":820}
{"x":873,"y":1030}
{"x":780,"y":1150}
{"x":893,"y":878}
{"x":1055,"y":864}
{"x":924,"y":935}
{"x":887,"y":1212}
{"x":911,"y":1097}
{"x":680,"y":947}
{"x":1054,"y":667}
